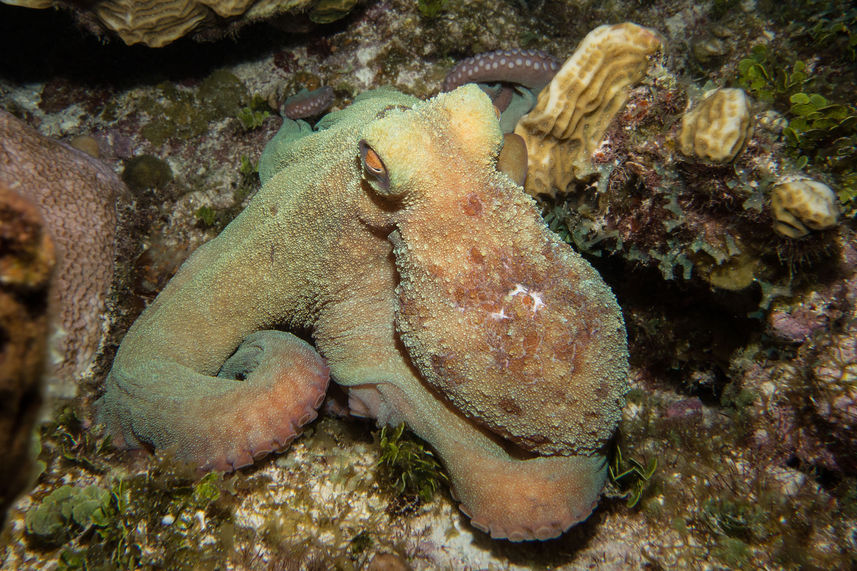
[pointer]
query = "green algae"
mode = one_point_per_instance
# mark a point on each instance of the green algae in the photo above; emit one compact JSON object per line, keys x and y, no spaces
{"x":50,"y":519}
{"x":406,"y":466}
{"x":211,"y":218}
{"x":146,"y":172}
{"x":66,"y":441}
{"x":821,"y":133}
{"x":431,"y":8}
{"x":179,"y":512}
{"x":254,"y":114}
{"x":183,"y":113}
{"x":205,"y":216}
{"x":105,"y":525}
{"x":251,"y":119}
{"x":629,"y":475}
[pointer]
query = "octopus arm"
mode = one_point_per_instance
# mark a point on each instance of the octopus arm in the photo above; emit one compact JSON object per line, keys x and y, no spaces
{"x":219,"y":423}
{"x":506,"y":494}
{"x":199,"y":373}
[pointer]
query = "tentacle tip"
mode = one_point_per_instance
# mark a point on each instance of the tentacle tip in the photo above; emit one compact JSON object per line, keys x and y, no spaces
{"x":239,"y":459}
{"x":308,"y":416}
{"x":521,"y":533}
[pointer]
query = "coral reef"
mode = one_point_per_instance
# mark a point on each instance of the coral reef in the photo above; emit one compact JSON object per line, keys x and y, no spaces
{"x":575,"y":109}
{"x":502,"y":320}
{"x":26,"y":262}
{"x":739,"y":337}
{"x":77,"y":196}
{"x":157,"y":23}
{"x":800,"y":204}
{"x":694,"y":217}
{"x":717,"y":128}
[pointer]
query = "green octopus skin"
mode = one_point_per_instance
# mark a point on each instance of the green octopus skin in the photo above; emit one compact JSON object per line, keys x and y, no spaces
{"x":434,"y":294}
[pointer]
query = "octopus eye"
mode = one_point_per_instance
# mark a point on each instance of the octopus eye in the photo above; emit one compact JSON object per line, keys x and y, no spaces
{"x":374,"y":167}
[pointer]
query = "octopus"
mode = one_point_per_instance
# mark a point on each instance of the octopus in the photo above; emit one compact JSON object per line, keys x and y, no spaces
{"x":424,"y":283}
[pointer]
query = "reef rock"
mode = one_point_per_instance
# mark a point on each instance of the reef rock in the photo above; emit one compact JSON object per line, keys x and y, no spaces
{"x":718,"y":127}
{"x":835,"y":380}
{"x":76,"y":196}
{"x":435,"y":295}
{"x":800,"y":205}
{"x":575,"y":109}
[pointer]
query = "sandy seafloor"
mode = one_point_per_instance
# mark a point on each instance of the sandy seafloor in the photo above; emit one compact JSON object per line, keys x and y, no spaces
{"x":750,"y":474}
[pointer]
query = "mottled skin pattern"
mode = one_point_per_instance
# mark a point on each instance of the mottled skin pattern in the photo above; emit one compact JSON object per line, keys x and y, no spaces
{"x":380,"y":234}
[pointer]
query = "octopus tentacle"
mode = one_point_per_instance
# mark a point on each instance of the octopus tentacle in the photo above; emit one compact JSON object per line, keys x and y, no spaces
{"x":507,"y":496}
{"x":531,"y":68}
{"x":163,"y":390}
{"x":306,"y":104}
{"x":231,"y":423}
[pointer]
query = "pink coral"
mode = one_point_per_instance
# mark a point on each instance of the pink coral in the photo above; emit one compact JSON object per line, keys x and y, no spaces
{"x":76,"y":195}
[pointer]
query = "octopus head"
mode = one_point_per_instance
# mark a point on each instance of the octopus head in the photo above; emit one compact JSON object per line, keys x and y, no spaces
{"x":500,"y":317}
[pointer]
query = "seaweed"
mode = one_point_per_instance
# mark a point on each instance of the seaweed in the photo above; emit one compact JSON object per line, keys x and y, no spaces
{"x":820,"y":133}
{"x":254,"y":114}
{"x":431,"y":8}
{"x":406,"y":466}
{"x":629,"y":475}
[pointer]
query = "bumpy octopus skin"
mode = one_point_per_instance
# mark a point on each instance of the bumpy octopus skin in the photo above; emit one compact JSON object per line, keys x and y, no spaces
{"x":432,"y":290}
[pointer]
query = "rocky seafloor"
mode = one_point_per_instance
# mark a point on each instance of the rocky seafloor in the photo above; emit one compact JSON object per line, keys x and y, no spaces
{"x":743,"y":342}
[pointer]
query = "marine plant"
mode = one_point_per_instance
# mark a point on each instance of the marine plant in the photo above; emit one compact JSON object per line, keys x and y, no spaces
{"x":216,"y":218}
{"x":820,"y":133}
{"x":815,"y":119}
{"x":630,"y":475}
{"x":206,"y":216}
{"x":248,"y":169}
{"x":67,"y":510}
{"x":833,"y":25}
{"x":249,"y":182}
{"x":65,"y":437}
{"x":254,"y":114}
{"x":406,"y":466}
{"x":431,"y":8}
{"x":767,"y":79}
{"x":109,"y":524}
